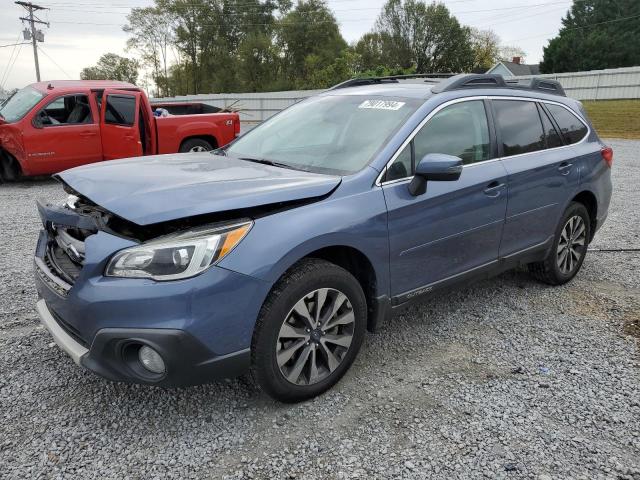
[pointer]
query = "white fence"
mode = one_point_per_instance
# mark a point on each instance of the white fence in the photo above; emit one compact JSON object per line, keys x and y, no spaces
{"x":614,"y":83}
{"x":617,"y":83}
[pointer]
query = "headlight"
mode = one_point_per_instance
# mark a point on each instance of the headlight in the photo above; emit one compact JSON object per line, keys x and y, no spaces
{"x":177,"y":256}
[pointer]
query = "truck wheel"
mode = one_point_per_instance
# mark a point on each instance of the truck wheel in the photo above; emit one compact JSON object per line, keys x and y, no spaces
{"x":569,"y":248}
{"x":9,"y":169}
{"x":195,"y":145}
{"x":308,"y":332}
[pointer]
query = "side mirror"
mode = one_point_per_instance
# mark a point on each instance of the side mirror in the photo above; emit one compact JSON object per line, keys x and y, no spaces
{"x":436,"y":167}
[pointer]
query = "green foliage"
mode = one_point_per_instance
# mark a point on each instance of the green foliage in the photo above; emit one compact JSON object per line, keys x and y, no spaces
{"x":424,"y":36}
{"x":195,"y":46}
{"x":112,"y":67}
{"x":592,"y":38}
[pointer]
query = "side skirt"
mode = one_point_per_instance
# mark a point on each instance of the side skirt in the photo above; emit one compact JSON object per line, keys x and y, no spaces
{"x":531,"y":254}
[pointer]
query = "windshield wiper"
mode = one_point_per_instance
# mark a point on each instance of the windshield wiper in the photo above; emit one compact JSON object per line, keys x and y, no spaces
{"x":264,"y":161}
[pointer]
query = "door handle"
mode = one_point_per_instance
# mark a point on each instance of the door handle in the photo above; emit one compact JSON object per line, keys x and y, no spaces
{"x":493,"y":189}
{"x":565,"y":168}
{"x":87,"y":134}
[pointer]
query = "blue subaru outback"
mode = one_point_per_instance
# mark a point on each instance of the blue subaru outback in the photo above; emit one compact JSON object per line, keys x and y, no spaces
{"x":275,"y":254}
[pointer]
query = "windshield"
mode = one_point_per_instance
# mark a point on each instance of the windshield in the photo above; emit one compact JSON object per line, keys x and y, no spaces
{"x":328,"y":134}
{"x":20,"y":103}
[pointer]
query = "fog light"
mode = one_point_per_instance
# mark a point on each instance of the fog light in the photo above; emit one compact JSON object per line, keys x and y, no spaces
{"x":151,"y":360}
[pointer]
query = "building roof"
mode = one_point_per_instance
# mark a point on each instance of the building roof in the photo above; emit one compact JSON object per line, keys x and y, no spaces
{"x":66,"y":84}
{"x":518,"y":69}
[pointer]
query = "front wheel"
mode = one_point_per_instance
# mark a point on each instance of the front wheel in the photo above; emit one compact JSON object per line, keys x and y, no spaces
{"x":309,"y":331}
{"x":569,"y":249}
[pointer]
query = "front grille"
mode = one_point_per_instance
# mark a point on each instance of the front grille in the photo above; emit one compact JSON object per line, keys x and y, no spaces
{"x":64,"y":255}
{"x":69,"y":329}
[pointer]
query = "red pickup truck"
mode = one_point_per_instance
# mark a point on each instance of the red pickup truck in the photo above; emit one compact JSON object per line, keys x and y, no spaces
{"x":48,"y":127}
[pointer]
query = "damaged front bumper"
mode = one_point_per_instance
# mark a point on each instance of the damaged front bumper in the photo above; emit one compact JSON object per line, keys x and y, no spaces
{"x":201,"y":326}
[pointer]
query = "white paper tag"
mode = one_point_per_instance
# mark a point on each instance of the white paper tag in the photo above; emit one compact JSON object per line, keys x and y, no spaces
{"x":382,"y":104}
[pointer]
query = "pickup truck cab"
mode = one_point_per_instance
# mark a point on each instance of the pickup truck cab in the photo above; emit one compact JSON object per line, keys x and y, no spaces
{"x":48,"y":127}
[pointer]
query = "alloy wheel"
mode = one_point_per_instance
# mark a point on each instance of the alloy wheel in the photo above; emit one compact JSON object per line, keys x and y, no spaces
{"x":198,"y":148}
{"x":572,"y":244}
{"x":315,"y":336}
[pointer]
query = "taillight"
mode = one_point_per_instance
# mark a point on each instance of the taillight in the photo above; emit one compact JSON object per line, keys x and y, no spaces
{"x":607,"y":155}
{"x":237,"y":126}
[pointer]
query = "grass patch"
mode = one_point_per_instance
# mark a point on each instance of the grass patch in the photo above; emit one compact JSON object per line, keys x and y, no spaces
{"x":615,"y":118}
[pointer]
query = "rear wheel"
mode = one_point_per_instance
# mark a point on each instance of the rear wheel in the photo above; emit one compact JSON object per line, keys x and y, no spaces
{"x":569,"y":247}
{"x":309,"y":331}
{"x":196,"y":145}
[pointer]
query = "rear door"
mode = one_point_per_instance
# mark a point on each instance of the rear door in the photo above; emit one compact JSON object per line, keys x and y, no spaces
{"x":455,"y":227}
{"x":542,"y":173}
{"x":120,"y":124}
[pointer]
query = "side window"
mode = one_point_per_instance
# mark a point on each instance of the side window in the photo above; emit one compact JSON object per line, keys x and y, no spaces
{"x":460,"y":129}
{"x":66,"y":110}
{"x":553,"y":137}
{"x":519,"y":125}
{"x":120,"y":110}
{"x":402,"y":167}
{"x":573,"y":130}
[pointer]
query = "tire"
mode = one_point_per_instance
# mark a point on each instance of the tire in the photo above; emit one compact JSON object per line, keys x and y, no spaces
{"x":299,"y":290}
{"x":196,"y":145}
{"x":9,"y":169}
{"x":558,"y":267}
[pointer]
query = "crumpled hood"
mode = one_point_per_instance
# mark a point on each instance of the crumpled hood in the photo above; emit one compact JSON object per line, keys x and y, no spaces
{"x":167,"y":187}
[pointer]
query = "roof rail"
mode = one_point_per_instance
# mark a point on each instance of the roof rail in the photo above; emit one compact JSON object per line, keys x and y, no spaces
{"x":358,"y":82}
{"x":470,"y":80}
{"x":489,"y":80}
{"x":543,"y":84}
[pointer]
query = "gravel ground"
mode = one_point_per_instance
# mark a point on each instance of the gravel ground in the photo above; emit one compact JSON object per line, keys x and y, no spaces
{"x":506,"y":379}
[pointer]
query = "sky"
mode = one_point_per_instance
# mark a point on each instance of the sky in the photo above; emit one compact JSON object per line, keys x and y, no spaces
{"x":80,"y":31}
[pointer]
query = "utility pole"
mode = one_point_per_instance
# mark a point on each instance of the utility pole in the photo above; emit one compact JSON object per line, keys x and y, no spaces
{"x":35,"y":35}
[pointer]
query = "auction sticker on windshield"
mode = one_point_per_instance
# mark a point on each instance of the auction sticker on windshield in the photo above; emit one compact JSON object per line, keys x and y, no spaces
{"x":382,"y":104}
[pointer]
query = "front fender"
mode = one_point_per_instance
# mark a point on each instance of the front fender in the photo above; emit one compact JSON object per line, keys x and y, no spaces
{"x":278,"y":241}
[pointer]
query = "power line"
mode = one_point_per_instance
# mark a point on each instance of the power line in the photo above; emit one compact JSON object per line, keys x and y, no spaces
{"x":55,"y":63}
{"x":6,"y":69}
{"x":580,"y":28}
{"x":14,"y":44}
{"x":5,"y":78}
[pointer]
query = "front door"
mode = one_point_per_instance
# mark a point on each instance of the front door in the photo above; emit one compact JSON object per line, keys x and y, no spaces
{"x":63,"y":134}
{"x":456,"y":226}
{"x":120,"y":124}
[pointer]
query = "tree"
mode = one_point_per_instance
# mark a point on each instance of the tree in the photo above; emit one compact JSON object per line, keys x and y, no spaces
{"x":595,"y":34}
{"x":508,"y":52}
{"x":425,"y":36}
{"x":308,"y":35}
{"x":486,"y":49}
{"x":151,"y":35}
{"x":112,"y":67}
{"x":374,"y":49}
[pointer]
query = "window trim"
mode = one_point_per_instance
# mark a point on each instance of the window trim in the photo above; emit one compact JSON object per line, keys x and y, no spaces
{"x":415,"y":131}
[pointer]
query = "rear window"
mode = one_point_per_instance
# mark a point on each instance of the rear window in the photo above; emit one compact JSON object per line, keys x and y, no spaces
{"x":573,"y":130}
{"x":120,"y":110}
{"x":520,"y":127}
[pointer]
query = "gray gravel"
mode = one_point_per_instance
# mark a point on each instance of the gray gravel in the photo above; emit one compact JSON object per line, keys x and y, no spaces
{"x":506,"y":379}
